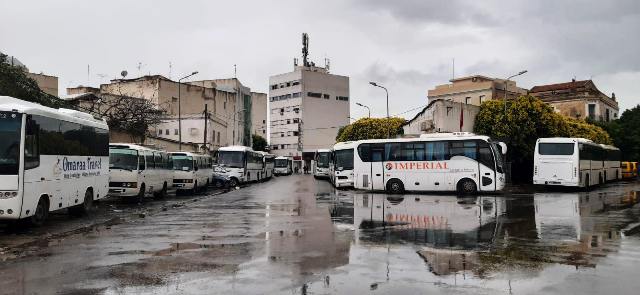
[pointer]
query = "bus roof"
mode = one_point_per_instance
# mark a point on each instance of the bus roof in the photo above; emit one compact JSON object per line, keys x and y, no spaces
{"x":235,"y":148}
{"x":430,"y":137}
{"x":323,"y":151}
{"x":575,"y":140}
{"x":188,"y":154}
{"x":265,"y":154}
{"x":11,"y":104}
{"x":284,"y":158}
{"x":131,"y":146}
{"x":345,"y":145}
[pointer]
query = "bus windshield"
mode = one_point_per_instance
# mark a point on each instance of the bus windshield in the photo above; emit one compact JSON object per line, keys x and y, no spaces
{"x":183,"y":163}
{"x":556,"y":149}
{"x":231,"y":159}
{"x":10,"y":127}
{"x":323,"y":160}
{"x":344,"y":159}
{"x":282,"y":163}
{"x":126,"y":159}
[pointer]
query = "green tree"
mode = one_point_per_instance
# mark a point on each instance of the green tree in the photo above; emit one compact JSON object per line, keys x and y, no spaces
{"x":14,"y":82}
{"x":625,"y":133}
{"x":371,"y":128}
{"x":259,"y":143}
{"x":527,"y":119}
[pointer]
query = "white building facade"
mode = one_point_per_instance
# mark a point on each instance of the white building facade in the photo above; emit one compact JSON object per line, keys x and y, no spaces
{"x":306,"y":109}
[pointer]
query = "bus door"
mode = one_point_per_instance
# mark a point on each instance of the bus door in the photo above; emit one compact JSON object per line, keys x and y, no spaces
{"x":486,"y":167}
{"x":377,"y":167}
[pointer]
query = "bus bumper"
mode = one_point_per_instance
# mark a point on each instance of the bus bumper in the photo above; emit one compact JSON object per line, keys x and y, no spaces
{"x":123,"y":192}
{"x":555,"y":182}
{"x":10,"y":207}
{"x":183,"y":186}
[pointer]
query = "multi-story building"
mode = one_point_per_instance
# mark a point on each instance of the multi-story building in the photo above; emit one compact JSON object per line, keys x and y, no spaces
{"x":442,"y":116}
{"x":475,"y":90}
{"x":307,"y":107}
{"x":259,"y":112}
{"x":578,"y":99}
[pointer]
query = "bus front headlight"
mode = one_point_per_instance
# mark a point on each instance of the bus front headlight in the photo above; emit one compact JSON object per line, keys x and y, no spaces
{"x":8,"y":195}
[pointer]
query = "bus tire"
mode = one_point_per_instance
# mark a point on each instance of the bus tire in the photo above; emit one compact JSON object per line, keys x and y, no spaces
{"x":140,"y":196}
{"x":42,"y":212}
{"x":395,"y":186}
{"x":194,"y":190}
{"x":466,"y":186}
{"x":161,"y":194}
{"x":85,"y":207}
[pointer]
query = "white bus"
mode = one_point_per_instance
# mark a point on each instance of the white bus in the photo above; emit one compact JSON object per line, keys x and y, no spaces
{"x":135,"y":171}
{"x":50,"y":159}
{"x":241,"y":164}
{"x":460,"y":161}
{"x":269,"y":163}
{"x":283,"y":166}
{"x":341,"y":165}
{"x":192,"y":171}
{"x":321,"y":161}
{"x":575,"y":162}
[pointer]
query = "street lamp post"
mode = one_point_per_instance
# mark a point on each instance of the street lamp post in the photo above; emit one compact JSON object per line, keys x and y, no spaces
{"x":234,"y":125}
{"x":180,"y":110}
{"x":364,"y":106}
{"x":387,"y":91}
{"x":506,"y":85}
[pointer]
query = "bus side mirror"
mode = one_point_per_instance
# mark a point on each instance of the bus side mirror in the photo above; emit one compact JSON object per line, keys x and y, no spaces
{"x":503,"y":147}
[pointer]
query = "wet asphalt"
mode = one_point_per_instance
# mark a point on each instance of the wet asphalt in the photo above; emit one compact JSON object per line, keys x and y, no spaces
{"x":297,"y":235}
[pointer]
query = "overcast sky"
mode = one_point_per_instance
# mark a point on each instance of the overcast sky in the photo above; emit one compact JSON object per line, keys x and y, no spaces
{"x":408,"y":46}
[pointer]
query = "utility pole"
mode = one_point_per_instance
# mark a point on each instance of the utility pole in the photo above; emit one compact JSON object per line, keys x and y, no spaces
{"x":180,"y":111}
{"x":506,"y":85}
{"x":206,"y":120}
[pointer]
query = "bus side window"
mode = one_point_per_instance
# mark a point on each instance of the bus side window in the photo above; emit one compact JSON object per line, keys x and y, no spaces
{"x":141,"y":165}
{"x":377,"y":152}
{"x":485,"y":156}
{"x":31,"y":145}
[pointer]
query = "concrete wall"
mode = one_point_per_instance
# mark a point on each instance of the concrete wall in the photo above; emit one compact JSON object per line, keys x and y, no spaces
{"x":48,"y":84}
{"x":259,"y":109}
{"x":443,"y":116}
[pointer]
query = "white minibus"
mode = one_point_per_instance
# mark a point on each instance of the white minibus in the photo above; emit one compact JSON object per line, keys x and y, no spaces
{"x":240,"y":163}
{"x":135,"y":171}
{"x":574,"y":162}
{"x":192,"y":172}
{"x":50,"y":159}
{"x":321,"y":161}
{"x":459,"y":161}
{"x":341,"y":164}
{"x":269,"y":163}
{"x":283,"y":166}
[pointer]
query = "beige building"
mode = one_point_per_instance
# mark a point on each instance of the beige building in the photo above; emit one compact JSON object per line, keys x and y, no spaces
{"x":48,"y":84}
{"x":307,"y":107}
{"x":443,"y":116}
{"x":259,"y":112}
{"x":475,"y":90}
{"x":578,"y":99}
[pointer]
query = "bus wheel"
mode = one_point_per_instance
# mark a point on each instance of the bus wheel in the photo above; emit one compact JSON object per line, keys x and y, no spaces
{"x":163,"y":193}
{"x":85,"y":207}
{"x":395,"y":186}
{"x":467,"y":186}
{"x":194,"y":190}
{"x":233,"y":182}
{"x":42,"y":212}
{"x":140,"y":196}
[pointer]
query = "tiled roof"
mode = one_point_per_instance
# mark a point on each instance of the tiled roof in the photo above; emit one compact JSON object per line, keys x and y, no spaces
{"x":560,"y":86}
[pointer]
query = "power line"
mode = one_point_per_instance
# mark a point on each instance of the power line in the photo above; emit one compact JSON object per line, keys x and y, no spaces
{"x":413,"y":109}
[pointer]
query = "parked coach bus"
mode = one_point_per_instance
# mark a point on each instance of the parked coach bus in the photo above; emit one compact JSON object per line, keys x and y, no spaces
{"x":321,"y":163}
{"x":576,"y":162}
{"x":135,"y":171}
{"x":240,"y":163}
{"x":341,"y":164}
{"x":192,"y":172}
{"x":269,"y":163}
{"x":50,"y":159}
{"x":460,"y":161}
{"x":283,"y":166}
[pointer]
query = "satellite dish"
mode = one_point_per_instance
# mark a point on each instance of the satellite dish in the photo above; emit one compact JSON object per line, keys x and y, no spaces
{"x":123,"y":74}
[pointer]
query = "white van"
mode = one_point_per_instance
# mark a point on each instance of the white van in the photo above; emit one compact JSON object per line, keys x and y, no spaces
{"x":192,"y":171}
{"x":136,"y":171}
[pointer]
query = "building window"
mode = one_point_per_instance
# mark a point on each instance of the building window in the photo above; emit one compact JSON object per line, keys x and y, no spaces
{"x":295,"y":133}
{"x":342,"y":98}
{"x":591,"y":111}
{"x":296,"y":110}
{"x":281,"y":134}
{"x":175,"y":131}
{"x":467,"y":99}
{"x":294,"y":83}
{"x":225,"y":105}
{"x":160,"y":133}
{"x":166,"y":132}
{"x":607,"y":115}
{"x":314,"y":94}
{"x":326,"y":96}
{"x":296,"y":120}
{"x":481,"y":98}
{"x":218,"y":137}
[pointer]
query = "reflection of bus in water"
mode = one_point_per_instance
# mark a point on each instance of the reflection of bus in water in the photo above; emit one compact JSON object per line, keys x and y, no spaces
{"x":320,"y":165}
{"x":341,"y":164}
{"x":283,"y":166}
{"x":437,"y":221}
{"x":50,"y":159}
{"x":575,"y":162}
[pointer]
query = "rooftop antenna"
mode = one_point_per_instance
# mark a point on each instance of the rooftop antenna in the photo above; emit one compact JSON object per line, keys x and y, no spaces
{"x":295,"y":61}
{"x":235,"y":71}
{"x":170,"y":65}
{"x":88,"y":74}
{"x":327,"y":64}
{"x":305,"y":49}
{"x":453,"y":69}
